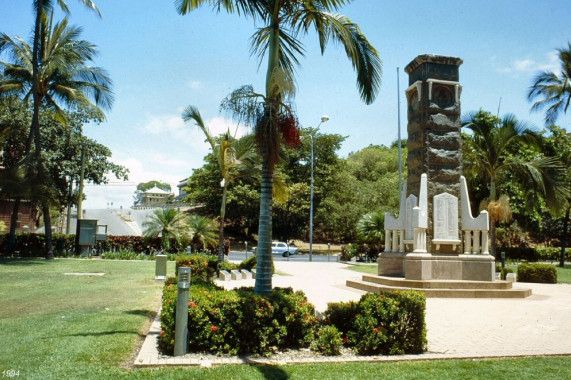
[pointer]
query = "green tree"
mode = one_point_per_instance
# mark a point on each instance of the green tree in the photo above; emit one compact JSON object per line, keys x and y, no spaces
{"x":489,"y":155}
{"x":552,"y":90}
{"x":202,"y":231}
{"x":167,"y":223}
{"x":282,"y":22}
{"x":144,"y":186}
{"x":236,"y":159}
{"x":371,"y":229}
{"x":54,"y":71}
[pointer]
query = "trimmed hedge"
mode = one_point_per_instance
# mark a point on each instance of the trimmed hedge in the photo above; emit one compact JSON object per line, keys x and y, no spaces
{"x":538,"y":273}
{"x":202,"y":267}
{"x":531,"y":254}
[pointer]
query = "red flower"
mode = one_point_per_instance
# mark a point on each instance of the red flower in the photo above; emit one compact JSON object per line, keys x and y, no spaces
{"x":345,"y":340}
{"x":163,"y":333}
{"x":375,"y":330}
{"x":192,"y":304}
{"x":213,"y":328}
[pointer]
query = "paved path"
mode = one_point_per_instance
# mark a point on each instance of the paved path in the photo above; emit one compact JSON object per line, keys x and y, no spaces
{"x":457,"y":328}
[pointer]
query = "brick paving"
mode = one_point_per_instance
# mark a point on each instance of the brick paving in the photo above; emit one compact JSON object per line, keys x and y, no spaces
{"x":457,"y":328}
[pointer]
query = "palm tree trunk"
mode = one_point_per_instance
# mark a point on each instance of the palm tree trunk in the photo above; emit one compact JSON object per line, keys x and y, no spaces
{"x":222,"y":217}
{"x":263,"y":285}
{"x":13,"y":223}
{"x":48,"y":230}
{"x":492,"y":220}
{"x":564,"y":238}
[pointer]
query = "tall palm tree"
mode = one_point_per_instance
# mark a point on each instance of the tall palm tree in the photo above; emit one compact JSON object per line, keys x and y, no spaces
{"x":235,"y":158}
{"x":553,"y":91}
{"x":63,"y":78}
{"x":202,"y":230}
{"x":489,"y":155}
{"x":167,"y":223}
{"x":282,"y":22}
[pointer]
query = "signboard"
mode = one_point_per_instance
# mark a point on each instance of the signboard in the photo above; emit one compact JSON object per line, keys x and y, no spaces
{"x":87,"y":231}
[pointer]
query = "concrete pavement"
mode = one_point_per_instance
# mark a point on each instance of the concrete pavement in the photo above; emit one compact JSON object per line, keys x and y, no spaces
{"x":457,"y":328}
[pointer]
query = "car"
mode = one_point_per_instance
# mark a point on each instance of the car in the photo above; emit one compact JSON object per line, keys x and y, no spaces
{"x":281,"y":248}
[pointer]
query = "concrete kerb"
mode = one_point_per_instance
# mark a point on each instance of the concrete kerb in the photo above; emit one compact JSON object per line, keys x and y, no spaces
{"x":457,"y":328}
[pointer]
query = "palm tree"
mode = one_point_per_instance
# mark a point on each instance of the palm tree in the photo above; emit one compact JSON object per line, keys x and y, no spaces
{"x":277,"y":39}
{"x":489,"y":155}
{"x":167,"y":223}
{"x":553,"y":91}
{"x":371,"y":228}
{"x":62,"y":78}
{"x":235,"y":158}
{"x":202,"y":230}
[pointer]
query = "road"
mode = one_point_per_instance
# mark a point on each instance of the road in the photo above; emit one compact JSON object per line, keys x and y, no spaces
{"x":240,"y":256}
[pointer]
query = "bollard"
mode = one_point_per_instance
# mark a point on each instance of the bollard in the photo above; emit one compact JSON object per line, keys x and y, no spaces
{"x":246,"y":249}
{"x":503,"y":258}
{"x":181,"y":322}
{"x":328,"y":251}
{"x":160,"y":267}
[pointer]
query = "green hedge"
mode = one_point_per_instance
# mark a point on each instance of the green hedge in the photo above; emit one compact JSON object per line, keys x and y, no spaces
{"x":202,"y":267}
{"x":385,"y":324}
{"x":539,"y":273}
{"x":531,"y":254}
{"x":241,"y":322}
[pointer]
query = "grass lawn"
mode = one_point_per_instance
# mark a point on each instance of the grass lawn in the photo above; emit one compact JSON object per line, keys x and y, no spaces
{"x":54,"y":325}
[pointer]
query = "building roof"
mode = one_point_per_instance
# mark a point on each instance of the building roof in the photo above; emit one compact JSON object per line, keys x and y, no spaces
{"x":156,"y":190}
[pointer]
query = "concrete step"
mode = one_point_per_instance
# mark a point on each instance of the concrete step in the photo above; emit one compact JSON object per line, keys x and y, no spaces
{"x":438,"y":284}
{"x":442,"y":293}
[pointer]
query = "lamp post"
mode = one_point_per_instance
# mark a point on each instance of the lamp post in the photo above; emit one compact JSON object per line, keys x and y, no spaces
{"x":323,"y":120}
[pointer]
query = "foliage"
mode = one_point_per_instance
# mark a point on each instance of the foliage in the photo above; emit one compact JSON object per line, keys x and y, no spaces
{"x":168,"y":223}
{"x":200,"y":270}
{"x":251,"y":263}
{"x":239,"y":321}
{"x":552,"y":90}
{"x":327,"y":341}
{"x":541,"y":273}
{"x":202,"y":232}
{"x":386,"y":323}
{"x":144,"y":186}
{"x":227,"y":266}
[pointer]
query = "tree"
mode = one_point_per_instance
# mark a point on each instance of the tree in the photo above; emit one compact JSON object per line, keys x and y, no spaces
{"x":202,"y":231}
{"x":144,"y":186}
{"x":371,"y":228}
{"x":552,"y":90}
{"x":236,"y":158}
{"x":282,"y":23}
{"x":167,"y":223}
{"x":53,"y":71}
{"x":489,"y":156}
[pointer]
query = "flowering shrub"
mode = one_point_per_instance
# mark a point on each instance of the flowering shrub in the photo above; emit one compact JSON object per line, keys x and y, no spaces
{"x":239,"y":321}
{"x":328,"y":341}
{"x":200,"y":270}
{"x":388,"y":324}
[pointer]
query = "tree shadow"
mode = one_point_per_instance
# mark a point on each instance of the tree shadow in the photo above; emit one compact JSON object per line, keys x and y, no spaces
{"x":150,"y":314}
{"x":23,"y":261}
{"x":272,"y":372}
{"x":107,"y":333}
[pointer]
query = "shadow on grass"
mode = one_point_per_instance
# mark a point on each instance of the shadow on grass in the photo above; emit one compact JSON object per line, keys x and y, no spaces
{"x":107,"y":333}
{"x":150,"y":314}
{"x":23,"y":261}
{"x":272,"y":372}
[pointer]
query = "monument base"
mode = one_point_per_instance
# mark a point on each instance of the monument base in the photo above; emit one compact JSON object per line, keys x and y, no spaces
{"x":425,"y":266}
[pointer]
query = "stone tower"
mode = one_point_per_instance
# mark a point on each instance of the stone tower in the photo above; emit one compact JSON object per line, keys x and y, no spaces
{"x":434,"y":141}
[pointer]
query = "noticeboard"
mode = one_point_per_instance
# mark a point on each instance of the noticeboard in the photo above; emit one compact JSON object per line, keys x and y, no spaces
{"x":87,"y":231}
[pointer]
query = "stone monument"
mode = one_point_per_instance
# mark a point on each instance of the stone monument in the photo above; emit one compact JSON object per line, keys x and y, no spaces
{"x":425,"y":241}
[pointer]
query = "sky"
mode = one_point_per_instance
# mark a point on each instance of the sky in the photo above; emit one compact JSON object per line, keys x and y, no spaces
{"x":161,"y":62}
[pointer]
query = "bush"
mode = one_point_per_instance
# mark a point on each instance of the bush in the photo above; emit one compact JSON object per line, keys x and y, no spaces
{"x":388,"y":324}
{"x":519,"y":253}
{"x":228,"y":266}
{"x":505,"y":271}
{"x":328,"y":341}
{"x":549,"y":253}
{"x":251,"y":263}
{"x":239,"y":321}
{"x":200,"y":271}
{"x":538,"y":273}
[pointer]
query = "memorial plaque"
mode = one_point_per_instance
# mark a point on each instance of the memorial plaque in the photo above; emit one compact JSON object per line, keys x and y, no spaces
{"x":445,"y":217}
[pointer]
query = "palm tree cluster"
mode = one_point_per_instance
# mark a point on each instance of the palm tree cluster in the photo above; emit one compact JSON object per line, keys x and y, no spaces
{"x":170,"y":223}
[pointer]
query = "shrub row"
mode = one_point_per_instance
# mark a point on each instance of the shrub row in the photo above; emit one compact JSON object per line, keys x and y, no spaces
{"x":531,"y":254}
{"x":539,"y":273}
{"x":241,"y":322}
{"x":33,"y":245}
{"x":202,"y":267}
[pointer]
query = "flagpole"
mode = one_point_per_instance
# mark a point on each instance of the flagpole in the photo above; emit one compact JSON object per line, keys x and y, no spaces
{"x":399,"y":138}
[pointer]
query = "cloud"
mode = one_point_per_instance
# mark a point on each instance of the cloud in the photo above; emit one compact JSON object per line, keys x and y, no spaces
{"x":550,"y":63}
{"x":194,"y":84}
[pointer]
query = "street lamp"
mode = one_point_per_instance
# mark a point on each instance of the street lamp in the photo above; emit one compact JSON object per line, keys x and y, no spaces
{"x":324,"y":118}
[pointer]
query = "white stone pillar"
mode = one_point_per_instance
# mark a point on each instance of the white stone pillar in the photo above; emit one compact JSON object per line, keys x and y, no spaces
{"x":387,"y":240}
{"x":467,"y":242}
{"x":485,"y":243}
{"x":401,"y":241}
{"x":395,"y":241}
{"x":476,"y":242}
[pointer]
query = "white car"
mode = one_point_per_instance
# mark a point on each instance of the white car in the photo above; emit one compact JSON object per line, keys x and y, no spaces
{"x":281,"y":248}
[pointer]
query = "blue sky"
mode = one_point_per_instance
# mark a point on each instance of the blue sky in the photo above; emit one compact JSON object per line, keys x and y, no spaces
{"x":161,"y":62}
